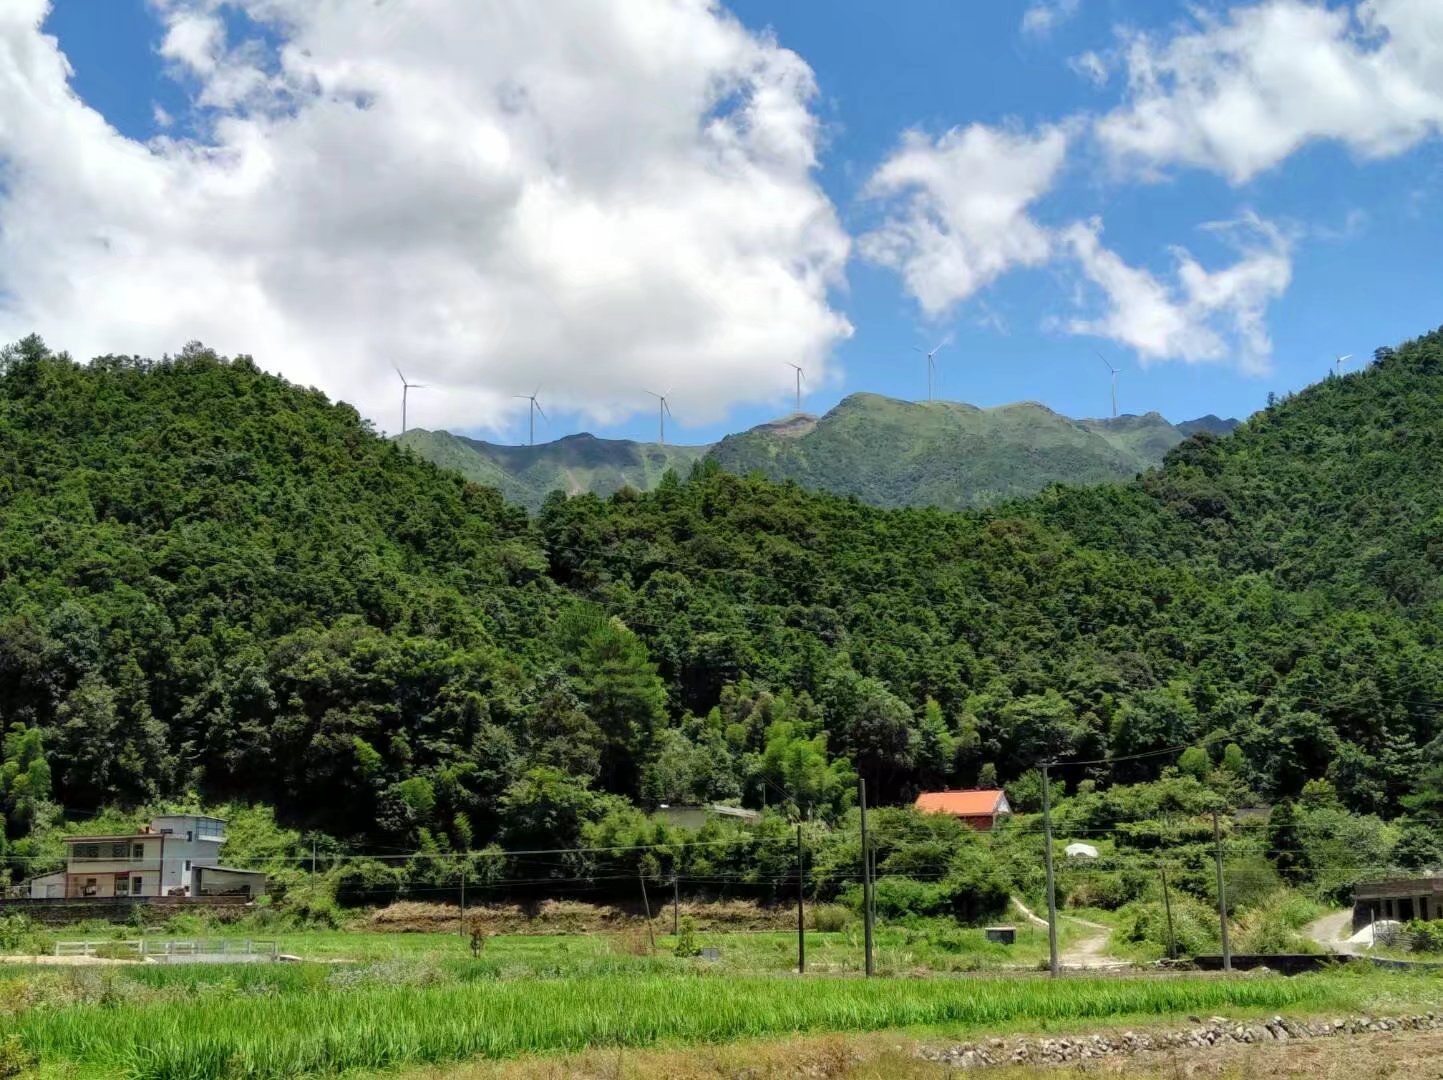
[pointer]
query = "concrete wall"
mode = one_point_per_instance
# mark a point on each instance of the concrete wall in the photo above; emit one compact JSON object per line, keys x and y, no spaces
{"x":66,"y":912}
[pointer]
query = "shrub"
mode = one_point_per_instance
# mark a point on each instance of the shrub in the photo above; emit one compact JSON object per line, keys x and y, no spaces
{"x":829,"y":918}
{"x":686,"y":943}
{"x":15,"y":1058}
{"x":1195,"y":926}
{"x":1424,"y":936}
{"x":19,"y":934}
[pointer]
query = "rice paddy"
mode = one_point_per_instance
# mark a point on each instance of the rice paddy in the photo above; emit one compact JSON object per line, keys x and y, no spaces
{"x":382,"y":1002}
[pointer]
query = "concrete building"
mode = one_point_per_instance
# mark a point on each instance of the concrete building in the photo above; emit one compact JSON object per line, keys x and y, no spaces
{"x":981,"y":808}
{"x":175,"y":855}
{"x":1400,"y":899}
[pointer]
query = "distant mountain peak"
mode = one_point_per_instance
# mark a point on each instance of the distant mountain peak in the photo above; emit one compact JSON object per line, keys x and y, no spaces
{"x":884,"y":450}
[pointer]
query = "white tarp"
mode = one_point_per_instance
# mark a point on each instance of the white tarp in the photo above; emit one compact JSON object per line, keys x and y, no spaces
{"x":1081,"y":851}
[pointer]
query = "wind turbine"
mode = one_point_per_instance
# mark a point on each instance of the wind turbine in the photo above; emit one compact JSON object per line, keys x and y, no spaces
{"x":1340,"y":360}
{"x":406,"y":388}
{"x":663,"y":410}
{"x":931,"y":364}
{"x":800,"y":377}
{"x":532,"y":410}
{"x":1114,"y":371}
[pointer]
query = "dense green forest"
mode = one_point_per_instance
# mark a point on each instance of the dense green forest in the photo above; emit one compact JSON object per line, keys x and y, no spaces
{"x":217,"y":586}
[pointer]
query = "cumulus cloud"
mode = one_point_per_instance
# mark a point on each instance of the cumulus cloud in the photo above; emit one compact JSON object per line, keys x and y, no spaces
{"x":1239,"y":93}
{"x":959,"y":208}
{"x":591,"y":197}
{"x":1201,"y":315}
{"x":1045,"y":16}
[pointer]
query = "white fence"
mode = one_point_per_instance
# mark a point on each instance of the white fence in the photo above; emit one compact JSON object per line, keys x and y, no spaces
{"x":164,"y":949}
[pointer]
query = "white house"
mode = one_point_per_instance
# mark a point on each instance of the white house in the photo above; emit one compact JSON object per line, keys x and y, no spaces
{"x":175,"y":855}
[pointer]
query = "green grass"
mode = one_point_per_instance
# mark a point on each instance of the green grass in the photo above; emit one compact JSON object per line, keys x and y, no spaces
{"x":328,"y":1030}
{"x":938,"y":946}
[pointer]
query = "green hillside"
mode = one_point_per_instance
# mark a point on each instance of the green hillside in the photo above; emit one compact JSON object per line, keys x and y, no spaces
{"x":216,"y":585}
{"x":884,"y":451}
{"x":574,"y":464}
{"x":901,"y":453}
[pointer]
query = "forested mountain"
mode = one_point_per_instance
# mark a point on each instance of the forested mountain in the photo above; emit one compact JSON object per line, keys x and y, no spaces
{"x":575,"y":464}
{"x":212,"y":581}
{"x":884,"y":451}
{"x":940,"y":453}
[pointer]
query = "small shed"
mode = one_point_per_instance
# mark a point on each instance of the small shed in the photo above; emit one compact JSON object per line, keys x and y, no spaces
{"x":227,"y":881}
{"x":980,"y":808}
{"x":694,"y":817}
{"x":45,"y":886}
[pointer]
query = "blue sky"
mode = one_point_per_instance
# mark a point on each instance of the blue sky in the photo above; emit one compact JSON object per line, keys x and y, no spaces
{"x":1332,"y":246}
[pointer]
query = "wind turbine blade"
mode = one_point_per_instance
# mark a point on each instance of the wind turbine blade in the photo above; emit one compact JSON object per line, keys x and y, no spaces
{"x":539,"y":409}
{"x":940,"y":346}
{"x":418,"y":386}
{"x":1345,"y":357}
{"x":667,"y":406}
{"x":398,"y":372}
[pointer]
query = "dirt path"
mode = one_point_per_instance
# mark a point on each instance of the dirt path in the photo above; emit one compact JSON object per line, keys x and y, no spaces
{"x":1394,"y":1055}
{"x":1331,"y":932}
{"x":1090,"y":952}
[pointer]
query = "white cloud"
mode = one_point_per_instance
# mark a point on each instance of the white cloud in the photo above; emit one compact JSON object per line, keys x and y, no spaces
{"x":1203,"y":315}
{"x":1091,"y":67}
{"x":1238,"y":94}
{"x":960,"y":209}
{"x":1046,"y":15}
{"x":595,"y":198}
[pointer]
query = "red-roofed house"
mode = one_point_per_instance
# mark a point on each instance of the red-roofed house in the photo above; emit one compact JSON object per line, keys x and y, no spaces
{"x":979,"y":808}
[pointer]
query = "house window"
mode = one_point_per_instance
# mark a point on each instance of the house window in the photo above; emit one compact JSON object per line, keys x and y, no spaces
{"x":187,"y":864}
{"x":135,"y":886}
{"x":122,"y":886}
{"x":117,"y":851}
{"x":89,"y":888}
{"x":87,"y":851}
{"x":137,"y":851}
{"x":189,"y":836}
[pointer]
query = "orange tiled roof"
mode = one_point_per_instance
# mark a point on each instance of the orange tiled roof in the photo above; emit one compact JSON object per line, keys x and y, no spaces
{"x":961,"y":803}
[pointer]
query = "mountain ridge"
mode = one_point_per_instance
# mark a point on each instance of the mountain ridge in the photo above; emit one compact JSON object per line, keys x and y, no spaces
{"x":886,"y":451}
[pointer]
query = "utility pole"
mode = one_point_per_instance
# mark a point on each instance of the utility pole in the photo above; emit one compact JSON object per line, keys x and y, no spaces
{"x":1167,"y":908}
{"x":646,"y":906}
{"x":866,"y":878}
{"x":1051,"y":883}
{"x":1222,"y":894}
{"x":463,"y":895}
{"x":313,"y":858}
{"x":675,"y":905}
{"x":801,"y":911}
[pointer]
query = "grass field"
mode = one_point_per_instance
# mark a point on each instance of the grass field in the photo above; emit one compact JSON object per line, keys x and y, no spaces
{"x":929,"y":947}
{"x":361,"y":1003}
{"x":277,"y":1021}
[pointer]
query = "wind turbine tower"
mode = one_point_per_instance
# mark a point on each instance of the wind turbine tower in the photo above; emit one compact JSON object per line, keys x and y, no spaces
{"x":1114,"y":372}
{"x":931,"y":364}
{"x":663,"y":410}
{"x":532,"y":410}
{"x":1340,"y":361}
{"x":406,"y":388}
{"x":800,"y":377}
